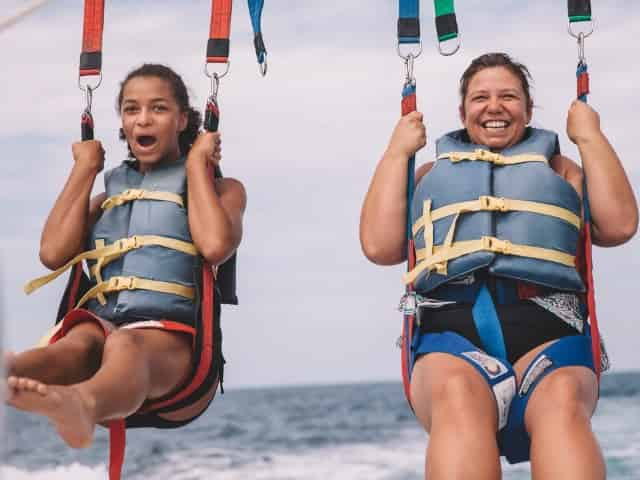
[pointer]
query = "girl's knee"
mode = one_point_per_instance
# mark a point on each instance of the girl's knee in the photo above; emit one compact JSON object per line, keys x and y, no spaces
{"x":123,"y":339}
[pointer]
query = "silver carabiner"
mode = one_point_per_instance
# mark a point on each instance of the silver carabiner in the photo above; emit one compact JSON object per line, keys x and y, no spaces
{"x":263,"y":65}
{"x":453,"y":52}
{"x":88,"y":94}
{"x":406,"y":56}
{"x":219,"y":75}
{"x":408,"y":69}
{"x":585,"y":34}
{"x":581,"y":37}
{"x":215,"y":86}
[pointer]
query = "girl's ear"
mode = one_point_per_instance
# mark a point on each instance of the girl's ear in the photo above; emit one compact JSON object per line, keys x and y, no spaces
{"x":529,"y":110}
{"x":183,"y":121}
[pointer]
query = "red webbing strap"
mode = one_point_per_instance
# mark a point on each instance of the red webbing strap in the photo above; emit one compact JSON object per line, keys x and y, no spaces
{"x":591,"y":302}
{"x":408,"y":105}
{"x":117,"y":444}
{"x":218,"y":44}
{"x":91,"y":55}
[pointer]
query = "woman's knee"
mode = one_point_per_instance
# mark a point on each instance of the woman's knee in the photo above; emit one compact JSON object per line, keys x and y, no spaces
{"x":454,"y":392}
{"x":565,"y":394}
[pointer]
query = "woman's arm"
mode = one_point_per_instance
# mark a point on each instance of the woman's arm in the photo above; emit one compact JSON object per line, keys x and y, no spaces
{"x":382,"y":220}
{"x":215,"y":208}
{"x":614,"y":209}
{"x":66,"y":228}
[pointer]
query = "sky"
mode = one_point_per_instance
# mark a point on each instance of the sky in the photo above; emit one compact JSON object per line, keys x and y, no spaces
{"x":304,"y":140}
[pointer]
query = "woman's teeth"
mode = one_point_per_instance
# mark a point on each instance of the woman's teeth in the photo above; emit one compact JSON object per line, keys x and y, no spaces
{"x":495,"y":124}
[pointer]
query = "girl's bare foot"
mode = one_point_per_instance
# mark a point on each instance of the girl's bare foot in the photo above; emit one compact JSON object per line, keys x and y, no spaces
{"x":65,"y":407}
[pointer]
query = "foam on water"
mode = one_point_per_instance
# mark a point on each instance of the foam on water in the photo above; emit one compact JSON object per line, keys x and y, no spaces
{"x":71,"y":472}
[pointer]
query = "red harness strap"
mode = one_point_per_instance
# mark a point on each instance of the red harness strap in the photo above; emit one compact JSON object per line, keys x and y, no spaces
{"x":218,"y":44}
{"x":91,"y":56}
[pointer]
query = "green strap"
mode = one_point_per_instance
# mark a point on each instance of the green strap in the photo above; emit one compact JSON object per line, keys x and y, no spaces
{"x":446,"y":24}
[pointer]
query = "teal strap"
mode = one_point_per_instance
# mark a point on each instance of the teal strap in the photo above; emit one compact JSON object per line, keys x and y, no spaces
{"x":488,"y":325}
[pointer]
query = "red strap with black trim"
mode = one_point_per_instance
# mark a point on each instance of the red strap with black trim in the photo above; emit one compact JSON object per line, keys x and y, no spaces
{"x":91,"y":55}
{"x":218,"y":44}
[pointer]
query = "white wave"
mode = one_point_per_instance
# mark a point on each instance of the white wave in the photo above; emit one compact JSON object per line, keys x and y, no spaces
{"x":70,"y":472}
{"x":400,"y":459}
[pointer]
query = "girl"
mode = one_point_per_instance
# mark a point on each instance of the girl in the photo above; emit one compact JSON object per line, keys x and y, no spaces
{"x":145,"y":245}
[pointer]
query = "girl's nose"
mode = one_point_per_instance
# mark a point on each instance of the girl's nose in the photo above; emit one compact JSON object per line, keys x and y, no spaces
{"x":144,"y":117}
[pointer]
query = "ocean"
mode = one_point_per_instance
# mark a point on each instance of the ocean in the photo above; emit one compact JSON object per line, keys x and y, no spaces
{"x":342,"y":432}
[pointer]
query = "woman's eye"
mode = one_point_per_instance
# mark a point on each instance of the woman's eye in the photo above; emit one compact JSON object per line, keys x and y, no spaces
{"x":129,"y":110}
{"x":159,"y":108}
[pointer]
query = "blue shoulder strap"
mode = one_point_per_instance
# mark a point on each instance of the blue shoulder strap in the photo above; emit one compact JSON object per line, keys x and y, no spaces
{"x":255,"y":10}
{"x":409,"y":21}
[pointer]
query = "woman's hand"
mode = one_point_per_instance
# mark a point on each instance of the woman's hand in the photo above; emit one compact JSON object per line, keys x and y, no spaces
{"x":583,"y":123}
{"x":89,"y":154}
{"x":206,"y":150}
{"x":409,"y":135}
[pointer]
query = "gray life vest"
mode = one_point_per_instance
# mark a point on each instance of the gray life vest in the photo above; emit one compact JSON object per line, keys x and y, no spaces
{"x":154,"y":269}
{"x":508,"y":212}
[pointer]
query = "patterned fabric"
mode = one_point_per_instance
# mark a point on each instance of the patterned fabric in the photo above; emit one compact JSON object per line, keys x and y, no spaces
{"x":566,"y":306}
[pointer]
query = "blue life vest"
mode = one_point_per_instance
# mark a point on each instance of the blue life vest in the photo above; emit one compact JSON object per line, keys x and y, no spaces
{"x":506,"y":212}
{"x":145,"y":217}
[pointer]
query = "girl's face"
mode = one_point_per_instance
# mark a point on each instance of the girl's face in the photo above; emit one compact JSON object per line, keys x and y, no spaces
{"x":495,"y":111}
{"x":151,"y":120}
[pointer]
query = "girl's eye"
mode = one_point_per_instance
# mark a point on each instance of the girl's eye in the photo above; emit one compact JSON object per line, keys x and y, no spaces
{"x":130,"y":109}
{"x":159,"y":108}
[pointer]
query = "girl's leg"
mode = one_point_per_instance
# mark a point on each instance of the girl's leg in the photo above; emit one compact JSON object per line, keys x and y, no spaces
{"x":558,"y":419}
{"x":136,"y":365}
{"x":456,"y":406}
{"x":74,"y":358}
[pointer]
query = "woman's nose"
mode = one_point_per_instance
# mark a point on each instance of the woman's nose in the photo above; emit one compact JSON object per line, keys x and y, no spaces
{"x":494,"y":104}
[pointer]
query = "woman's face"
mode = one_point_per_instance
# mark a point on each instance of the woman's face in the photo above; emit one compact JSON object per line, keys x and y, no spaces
{"x":495,"y":110}
{"x":151,"y":120}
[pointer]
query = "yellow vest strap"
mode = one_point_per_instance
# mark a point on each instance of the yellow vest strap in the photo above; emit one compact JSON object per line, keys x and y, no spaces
{"x":111,"y":252}
{"x":139,"y":194}
{"x":487,"y":244}
{"x":492,"y":157}
{"x":118,"y":284}
{"x":489,"y":203}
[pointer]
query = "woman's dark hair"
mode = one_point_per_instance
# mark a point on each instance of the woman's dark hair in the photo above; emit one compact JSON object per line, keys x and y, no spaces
{"x":490,"y":60}
{"x":179,"y":89}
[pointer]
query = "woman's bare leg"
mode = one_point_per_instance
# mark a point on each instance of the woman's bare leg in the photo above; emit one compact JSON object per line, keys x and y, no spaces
{"x":558,"y":419}
{"x":456,"y":406}
{"x":136,"y":365}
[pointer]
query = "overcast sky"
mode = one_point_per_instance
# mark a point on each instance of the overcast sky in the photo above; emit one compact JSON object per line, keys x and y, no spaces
{"x":305,"y":141}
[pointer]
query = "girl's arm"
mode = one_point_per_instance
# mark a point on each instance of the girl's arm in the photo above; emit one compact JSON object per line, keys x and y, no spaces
{"x":66,"y":228}
{"x":215,"y":208}
{"x":614,"y":209}
{"x":382,"y":220}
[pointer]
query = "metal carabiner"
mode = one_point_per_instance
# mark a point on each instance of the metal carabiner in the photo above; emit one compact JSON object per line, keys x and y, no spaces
{"x":581,"y":57}
{"x":88,"y":94}
{"x":405,"y":57}
{"x":453,"y":52}
{"x":219,"y":75}
{"x":215,"y":86}
{"x":89,"y":86}
{"x":408,"y":69}
{"x":585,"y":34}
{"x":263,"y":65}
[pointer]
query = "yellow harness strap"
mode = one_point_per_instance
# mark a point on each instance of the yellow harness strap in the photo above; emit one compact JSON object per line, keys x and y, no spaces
{"x":139,"y":194}
{"x":495,"y":158}
{"x":488,"y":244}
{"x":107,"y":254}
{"x":499,"y":204}
{"x":118,"y":284}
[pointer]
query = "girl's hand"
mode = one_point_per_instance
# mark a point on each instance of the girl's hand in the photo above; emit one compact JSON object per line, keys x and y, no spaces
{"x":409,"y":135}
{"x":583,"y":123}
{"x":206,"y":150}
{"x":89,"y":154}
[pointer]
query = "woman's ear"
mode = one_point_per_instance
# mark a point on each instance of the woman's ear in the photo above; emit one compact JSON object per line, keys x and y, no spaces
{"x":529,"y":110}
{"x":461,"y":113}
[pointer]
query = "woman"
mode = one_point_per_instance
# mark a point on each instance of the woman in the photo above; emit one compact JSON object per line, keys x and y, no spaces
{"x":87,"y":377}
{"x":502,"y":362}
